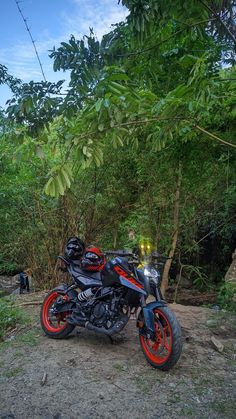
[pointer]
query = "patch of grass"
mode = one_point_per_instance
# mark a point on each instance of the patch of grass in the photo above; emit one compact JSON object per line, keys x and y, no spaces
{"x":226,"y":407}
{"x":175,"y":398}
{"x":31,"y":338}
{"x":194,"y":373}
{"x":231,"y":362}
{"x":12,"y":372}
{"x":200,"y":389}
{"x":188,"y":412}
{"x":10,"y":315}
{"x":4,"y":346}
{"x":204,"y":383}
{"x":118,"y":367}
{"x":18,"y":354}
{"x":229,"y":349}
{"x":143,"y":384}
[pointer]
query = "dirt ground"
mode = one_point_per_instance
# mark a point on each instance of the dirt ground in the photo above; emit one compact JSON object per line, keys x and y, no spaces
{"x":88,"y":377}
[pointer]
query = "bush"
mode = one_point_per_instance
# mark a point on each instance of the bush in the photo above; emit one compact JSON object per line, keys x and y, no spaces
{"x":8,"y":268}
{"x":9,"y":315}
{"x":227,"y":296}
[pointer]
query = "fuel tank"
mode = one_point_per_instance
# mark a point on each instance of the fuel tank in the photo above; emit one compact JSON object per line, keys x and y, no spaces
{"x":119,"y":271}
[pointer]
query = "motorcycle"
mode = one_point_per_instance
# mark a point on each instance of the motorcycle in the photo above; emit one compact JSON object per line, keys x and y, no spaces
{"x":107,"y":298}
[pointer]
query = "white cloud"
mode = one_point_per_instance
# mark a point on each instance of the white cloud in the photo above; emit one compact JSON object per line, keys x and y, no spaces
{"x":100,"y":15}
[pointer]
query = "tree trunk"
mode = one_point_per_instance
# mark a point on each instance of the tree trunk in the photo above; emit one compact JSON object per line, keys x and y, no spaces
{"x":231,"y":273}
{"x":89,"y":224}
{"x":115,"y":237}
{"x":158,"y":228}
{"x":165,"y":276}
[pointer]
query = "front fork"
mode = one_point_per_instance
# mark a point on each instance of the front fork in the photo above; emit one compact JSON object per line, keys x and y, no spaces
{"x":158,"y":294}
{"x":145,"y":320}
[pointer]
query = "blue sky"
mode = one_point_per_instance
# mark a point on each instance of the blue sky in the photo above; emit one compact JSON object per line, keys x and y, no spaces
{"x":51,"y":21}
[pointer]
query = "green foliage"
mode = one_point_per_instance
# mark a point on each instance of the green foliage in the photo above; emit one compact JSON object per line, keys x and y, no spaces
{"x":6,"y":78}
{"x":101,"y":160}
{"x":199,"y":278}
{"x":35,"y":104}
{"x":8,"y":268}
{"x":59,"y":182}
{"x":10,"y":315}
{"x":227,"y":296}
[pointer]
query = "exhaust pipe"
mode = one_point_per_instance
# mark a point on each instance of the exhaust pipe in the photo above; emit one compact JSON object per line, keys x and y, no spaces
{"x":76,"y":320}
{"x":116,"y":328}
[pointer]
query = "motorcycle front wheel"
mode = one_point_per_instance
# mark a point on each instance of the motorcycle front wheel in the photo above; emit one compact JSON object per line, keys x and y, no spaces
{"x":54,"y":325}
{"x":164,"y":351}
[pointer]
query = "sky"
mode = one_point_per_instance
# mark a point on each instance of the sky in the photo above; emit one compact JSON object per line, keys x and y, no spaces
{"x":50,"y":21}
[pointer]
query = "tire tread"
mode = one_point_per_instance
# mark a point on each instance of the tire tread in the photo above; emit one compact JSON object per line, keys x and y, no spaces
{"x":176,"y":342}
{"x":55,"y":335}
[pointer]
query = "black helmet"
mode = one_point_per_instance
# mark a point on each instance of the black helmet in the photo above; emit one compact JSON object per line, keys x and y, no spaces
{"x":74,"y":248}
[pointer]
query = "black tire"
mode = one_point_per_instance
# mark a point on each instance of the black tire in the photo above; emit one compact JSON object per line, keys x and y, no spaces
{"x":49,"y":329}
{"x":169,"y":319}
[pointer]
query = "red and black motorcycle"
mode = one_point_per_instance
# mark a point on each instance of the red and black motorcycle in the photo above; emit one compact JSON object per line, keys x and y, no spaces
{"x":109,"y":291}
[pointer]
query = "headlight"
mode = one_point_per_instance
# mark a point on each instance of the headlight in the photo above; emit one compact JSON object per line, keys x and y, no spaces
{"x":151,"y":272}
{"x":153,"y":276}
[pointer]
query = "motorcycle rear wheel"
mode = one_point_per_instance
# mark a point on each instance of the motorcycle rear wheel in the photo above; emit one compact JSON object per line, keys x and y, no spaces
{"x":163,"y":352}
{"x":54,"y":326}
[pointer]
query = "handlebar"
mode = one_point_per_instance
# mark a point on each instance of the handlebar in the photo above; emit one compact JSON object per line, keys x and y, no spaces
{"x":126,"y":253}
{"x":159,"y":256}
{"x":121,"y":253}
{"x":64,"y":260}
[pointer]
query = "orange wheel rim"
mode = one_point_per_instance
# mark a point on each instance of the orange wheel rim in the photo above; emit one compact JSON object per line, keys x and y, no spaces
{"x":160,"y":349}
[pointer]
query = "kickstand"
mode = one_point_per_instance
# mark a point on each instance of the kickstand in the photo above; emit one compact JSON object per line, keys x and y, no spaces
{"x":110,"y":339}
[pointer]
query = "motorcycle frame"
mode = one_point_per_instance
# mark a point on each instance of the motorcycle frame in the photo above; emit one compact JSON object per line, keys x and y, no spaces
{"x":132,"y":283}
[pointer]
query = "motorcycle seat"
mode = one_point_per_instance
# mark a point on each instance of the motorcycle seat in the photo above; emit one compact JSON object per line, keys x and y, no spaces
{"x":77,"y":271}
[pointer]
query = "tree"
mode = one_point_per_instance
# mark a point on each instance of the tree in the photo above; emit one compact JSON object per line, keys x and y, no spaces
{"x":154,"y":98}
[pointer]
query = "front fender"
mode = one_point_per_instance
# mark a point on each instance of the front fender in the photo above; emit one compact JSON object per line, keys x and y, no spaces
{"x":148,"y":314}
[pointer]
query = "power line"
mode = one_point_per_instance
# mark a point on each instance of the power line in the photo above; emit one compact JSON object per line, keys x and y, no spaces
{"x":31,"y":37}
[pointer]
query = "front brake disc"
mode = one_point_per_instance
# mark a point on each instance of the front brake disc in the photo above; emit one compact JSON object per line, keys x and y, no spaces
{"x":162,"y":344}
